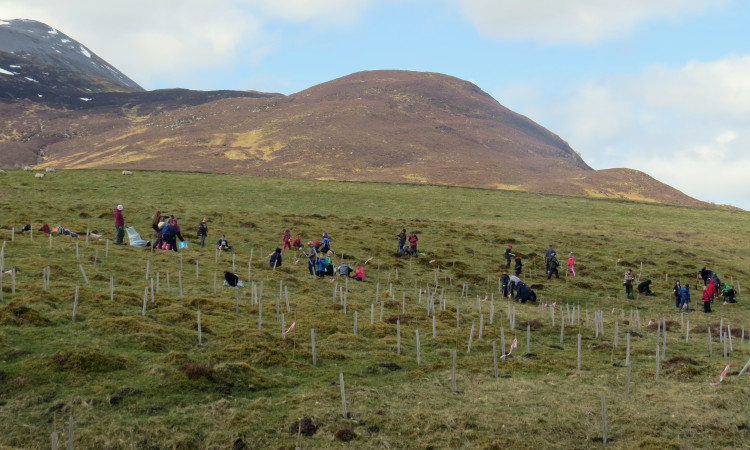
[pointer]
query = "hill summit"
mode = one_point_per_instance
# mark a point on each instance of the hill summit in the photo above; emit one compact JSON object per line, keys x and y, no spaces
{"x":67,"y":108}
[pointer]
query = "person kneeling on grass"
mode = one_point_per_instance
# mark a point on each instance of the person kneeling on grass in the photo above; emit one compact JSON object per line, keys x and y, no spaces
{"x":223,"y":245}
{"x":275,"y":258}
{"x":525,"y":293}
{"x":359,"y":274}
{"x":645,"y":288}
{"x":728,"y":294}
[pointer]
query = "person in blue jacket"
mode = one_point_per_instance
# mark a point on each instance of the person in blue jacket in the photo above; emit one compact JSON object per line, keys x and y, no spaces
{"x":685,"y":298}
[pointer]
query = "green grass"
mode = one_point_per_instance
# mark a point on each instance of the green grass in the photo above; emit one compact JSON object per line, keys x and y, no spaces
{"x":131,"y":381}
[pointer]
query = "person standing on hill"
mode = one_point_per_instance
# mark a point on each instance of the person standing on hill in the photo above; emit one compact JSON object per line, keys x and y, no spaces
{"x":413,"y":243}
{"x":509,"y":254}
{"x":676,"y":292}
{"x":628,"y":282}
{"x":176,"y":228}
{"x":572,"y":265}
{"x":119,"y":225}
{"x":401,"y":240}
{"x":287,"y":240}
{"x":685,"y":296}
{"x":706,"y":301}
{"x":505,"y":282}
{"x":548,"y":255}
{"x":519,"y":265}
{"x":552,"y":265}
{"x":203,"y":232}
{"x":155,"y":224}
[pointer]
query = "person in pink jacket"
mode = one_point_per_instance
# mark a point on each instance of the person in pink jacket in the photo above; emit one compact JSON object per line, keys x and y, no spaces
{"x":359,"y":274}
{"x":571,"y":265}
{"x":119,"y":225}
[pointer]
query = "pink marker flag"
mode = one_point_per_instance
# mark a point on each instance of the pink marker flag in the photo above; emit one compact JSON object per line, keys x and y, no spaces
{"x":723,"y":374}
{"x":291,"y":327}
{"x":295,"y":262}
{"x":369,"y":259}
{"x":554,"y":304}
{"x":513,"y":345}
{"x":432,"y":261}
{"x":613,"y":309}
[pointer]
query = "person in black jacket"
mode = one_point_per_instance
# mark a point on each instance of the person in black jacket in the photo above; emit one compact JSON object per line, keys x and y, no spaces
{"x":276,"y":258}
{"x":519,"y":265}
{"x":676,"y":292}
{"x":552,"y":265}
{"x":525,"y":293}
{"x":505,"y":282}
{"x":644,"y":288}
{"x":509,"y":254}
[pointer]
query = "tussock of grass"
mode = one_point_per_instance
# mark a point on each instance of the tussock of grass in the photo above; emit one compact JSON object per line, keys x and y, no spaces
{"x":19,"y":315}
{"x":88,"y":361}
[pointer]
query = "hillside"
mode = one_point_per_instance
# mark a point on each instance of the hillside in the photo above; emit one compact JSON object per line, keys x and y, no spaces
{"x":385,"y":126}
{"x":81,"y":343}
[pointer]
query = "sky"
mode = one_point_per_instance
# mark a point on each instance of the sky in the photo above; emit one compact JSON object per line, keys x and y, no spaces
{"x":662,"y":86}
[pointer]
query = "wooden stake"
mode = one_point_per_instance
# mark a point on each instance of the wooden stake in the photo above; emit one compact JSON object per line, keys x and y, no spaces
{"x":70,"y":433}
{"x":200,"y":334}
{"x":627,"y":386}
{"x":314,"y":354}
{"x":398,"y":336}
{"x":419,"y":354}
{"x":604,"y":418}
{"x":471,"y":337}
{"x":453,"y":374}
{"x":343,"y":395}
{"x":75,"y":304}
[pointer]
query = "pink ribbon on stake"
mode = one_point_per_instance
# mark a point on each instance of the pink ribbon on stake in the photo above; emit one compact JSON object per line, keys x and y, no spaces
{"x":723,"y":374}
{"x":369,"y":259}
{"x":291,"y":328}
{"x":513,"y":345}
{"x":432,"y":261}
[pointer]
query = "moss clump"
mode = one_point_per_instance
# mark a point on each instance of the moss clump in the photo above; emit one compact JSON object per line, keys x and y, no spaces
{"x":88,"y":360}
{"x":19,"y":315}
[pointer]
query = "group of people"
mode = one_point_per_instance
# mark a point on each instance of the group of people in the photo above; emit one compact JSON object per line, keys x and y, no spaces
{"x":513,"y":287}
{"x":320,"y":262}
{"x":411,"y":249}
{"x":711,"y":286}
{"x":167,"y":231}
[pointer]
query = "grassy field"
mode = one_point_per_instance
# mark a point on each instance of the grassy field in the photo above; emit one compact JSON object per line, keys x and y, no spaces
{"x":138,"y":381}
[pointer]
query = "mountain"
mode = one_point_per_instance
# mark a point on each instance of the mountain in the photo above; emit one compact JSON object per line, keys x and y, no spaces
{"x":39,"y":62}
{"x":64,"y":107}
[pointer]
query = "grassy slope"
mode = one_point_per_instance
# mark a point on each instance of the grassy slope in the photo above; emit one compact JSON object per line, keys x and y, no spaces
{"x":125,"y":378}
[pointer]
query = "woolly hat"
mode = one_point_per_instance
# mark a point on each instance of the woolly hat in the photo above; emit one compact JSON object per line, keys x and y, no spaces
{"x":119,"y":207}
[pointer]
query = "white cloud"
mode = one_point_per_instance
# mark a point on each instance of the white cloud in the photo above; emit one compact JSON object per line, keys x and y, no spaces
{"x":685,"y":126}
{"x":572,"y":21}
{"x":176,"y":39}
{"x":325,"y":11}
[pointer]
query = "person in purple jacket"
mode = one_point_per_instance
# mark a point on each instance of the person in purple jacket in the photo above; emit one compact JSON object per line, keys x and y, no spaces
{"x":176,"y":228}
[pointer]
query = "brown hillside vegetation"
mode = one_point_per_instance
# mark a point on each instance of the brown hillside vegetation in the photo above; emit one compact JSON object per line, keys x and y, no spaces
{"x":386,"y":126}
